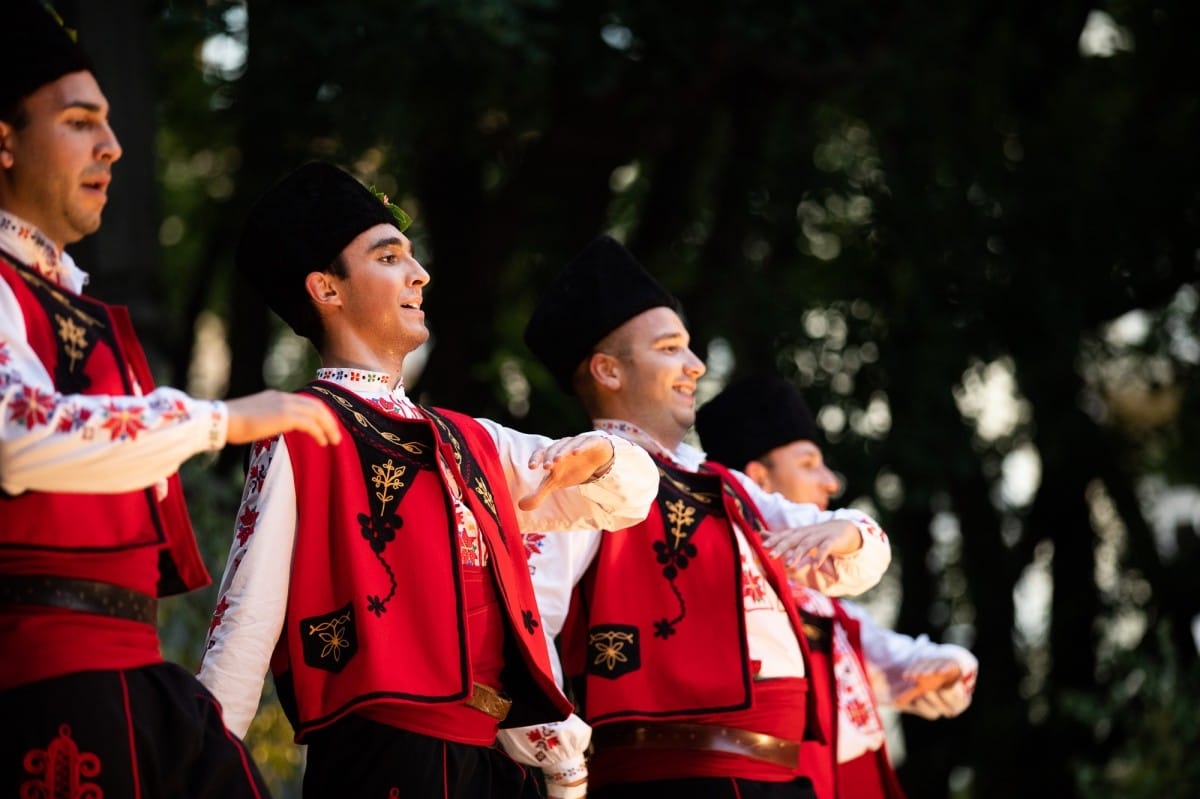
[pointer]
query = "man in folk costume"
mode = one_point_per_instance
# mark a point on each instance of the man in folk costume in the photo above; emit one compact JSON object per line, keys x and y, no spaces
{"x":384,"y":581}
{"x":761,"y":426}
{"x":93,"y":524}
{"x":688,"y":664}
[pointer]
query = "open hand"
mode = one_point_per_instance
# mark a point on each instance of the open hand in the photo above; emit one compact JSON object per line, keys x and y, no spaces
{"x":811,"y":545}
{"x":269,"y":413}
{"x":926,"y":677}
{"x":568,"y":462}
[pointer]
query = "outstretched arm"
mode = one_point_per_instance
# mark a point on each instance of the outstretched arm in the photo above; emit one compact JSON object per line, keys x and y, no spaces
{"x":105,"y":444}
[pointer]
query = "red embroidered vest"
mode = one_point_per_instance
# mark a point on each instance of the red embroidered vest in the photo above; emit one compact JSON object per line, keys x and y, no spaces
{"x":376,"y":611}
{"x":870,"y":775}
{"x":818,"y":758}
{"x":656,"y":629}
{"x":90,"y":348}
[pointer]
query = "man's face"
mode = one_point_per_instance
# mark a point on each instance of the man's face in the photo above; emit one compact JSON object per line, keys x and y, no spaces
{"x":57,"y":166}
{"x":798,"y":471}
{"x":658,"y":374}
{"x":381,"y":293}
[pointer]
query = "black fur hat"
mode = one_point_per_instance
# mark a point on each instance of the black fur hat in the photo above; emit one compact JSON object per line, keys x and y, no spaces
{"x":753,"y":416}
{"x":598,"y":290}
{"x":301,"y":225}
{"x":35,"y":49}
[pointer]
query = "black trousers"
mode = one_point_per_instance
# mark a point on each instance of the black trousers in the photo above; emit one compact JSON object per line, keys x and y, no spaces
{"x":147,"y":733}
{"x":362,"y":759}
{"x":707,"y":788}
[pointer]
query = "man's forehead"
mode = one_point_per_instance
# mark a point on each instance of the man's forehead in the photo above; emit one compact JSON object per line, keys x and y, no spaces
{"x":657,"y":323}
{"x":73,"y":90}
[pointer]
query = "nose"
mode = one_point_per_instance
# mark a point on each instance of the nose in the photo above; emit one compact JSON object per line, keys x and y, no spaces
{"x":419,"y":276}
{"x":108,"y":148}
{"x":829,"y":481}
{"x":694,"y":367}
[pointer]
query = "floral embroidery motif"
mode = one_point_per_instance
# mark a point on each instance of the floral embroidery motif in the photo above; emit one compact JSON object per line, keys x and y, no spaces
{"x":218,"y":615}
{"x":329,"y":641}
{"x":544,"y":740}
{"x":73,"y":338}
{"x":528,"y":621}
{"x":32,"y":407}
{"x":676,"y":551}
{"x":610,"y":647}
{"x":172,"y":410}
{"x":124,"y":423}
{"x":61,"y":770}
{"x":354,"y":377}
{"x":683,"y":506}
{"x":387,"y":477}
{"x":245,"y":524}
{"x":754,"y":589}
{"x":613,"y":650}
{"x":72,"y":419}
{"x":533,"y":546}
{"x":485,"y":494}
{"x":379,"y":529}
{"x":48,"y":264}
{"x":333,"y":634}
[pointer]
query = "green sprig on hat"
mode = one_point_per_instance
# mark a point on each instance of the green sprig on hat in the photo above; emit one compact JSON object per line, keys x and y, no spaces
{"x":403,"y":220}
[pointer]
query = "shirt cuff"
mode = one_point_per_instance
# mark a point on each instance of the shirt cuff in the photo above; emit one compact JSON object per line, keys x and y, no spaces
{"x":560,"y":776}
{"x":218,"y":426}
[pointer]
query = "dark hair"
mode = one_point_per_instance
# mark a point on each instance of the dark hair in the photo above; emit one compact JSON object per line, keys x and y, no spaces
{"x":15,"y":114}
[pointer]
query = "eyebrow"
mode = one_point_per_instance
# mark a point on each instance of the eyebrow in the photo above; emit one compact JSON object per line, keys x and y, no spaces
{"x":86,"y":105}
{"x":389,"y":241}
{"x":684,"y":337}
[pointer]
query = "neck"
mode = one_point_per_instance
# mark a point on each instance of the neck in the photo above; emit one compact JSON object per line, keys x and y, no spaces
{"x":393,"y":368}
{"x":42,"y":234}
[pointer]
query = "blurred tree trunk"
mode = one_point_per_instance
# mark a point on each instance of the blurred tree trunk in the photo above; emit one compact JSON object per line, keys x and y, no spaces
{"x":123,"y":257}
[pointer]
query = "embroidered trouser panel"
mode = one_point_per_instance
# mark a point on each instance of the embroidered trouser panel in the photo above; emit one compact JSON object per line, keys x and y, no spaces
{"x":154,"y":731}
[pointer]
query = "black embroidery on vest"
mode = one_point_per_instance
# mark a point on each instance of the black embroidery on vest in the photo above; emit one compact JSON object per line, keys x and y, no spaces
{"x":330,"y":641}
{"x":470,"y":469}
{"x":391,"y":452}
{"x":746,"y":515}
{"x":613,"y":650}
{"x":527,"y":619}
{"x":76,"y":332}
{"x":61,"y":769}
{"x":685,"y":499}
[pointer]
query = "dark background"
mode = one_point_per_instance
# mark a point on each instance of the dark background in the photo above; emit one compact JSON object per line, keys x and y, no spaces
{"x":969,"y":231}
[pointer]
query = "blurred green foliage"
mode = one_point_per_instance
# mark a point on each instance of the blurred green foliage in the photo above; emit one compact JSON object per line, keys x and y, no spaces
{"x":969,"y":232}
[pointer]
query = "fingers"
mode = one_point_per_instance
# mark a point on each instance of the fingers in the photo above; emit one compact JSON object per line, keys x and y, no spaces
{"x":533,"y":500}
{"x":935,"y":684}
{"x":594,"y":447}
{"x":269,"y":413}
{"x":568,"y":462}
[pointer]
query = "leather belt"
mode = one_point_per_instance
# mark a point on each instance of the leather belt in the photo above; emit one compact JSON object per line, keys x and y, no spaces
{"x":488,"y":700}
{"x":706,"y":737}
{"x":89,"y":596}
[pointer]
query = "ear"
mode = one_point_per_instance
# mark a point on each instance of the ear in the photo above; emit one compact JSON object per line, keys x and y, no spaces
{"x":759,"y":474}
{"x":6,"y":156}
{"x":322,"y":289}
{"x":605,"y":370}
